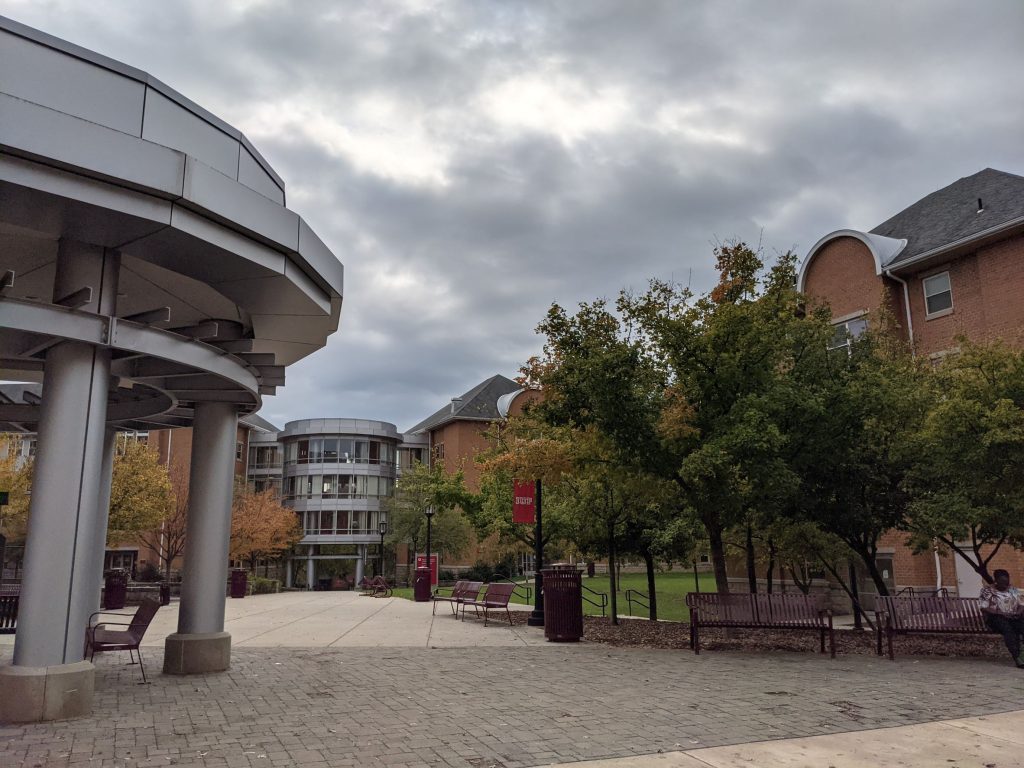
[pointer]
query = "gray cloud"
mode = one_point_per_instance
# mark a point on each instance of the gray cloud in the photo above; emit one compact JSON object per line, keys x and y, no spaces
{"x":473,"y":162}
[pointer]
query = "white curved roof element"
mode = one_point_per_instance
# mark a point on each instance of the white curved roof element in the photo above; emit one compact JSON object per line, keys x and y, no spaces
{"x":883,"y":250}
{"x":505,"y":402}
{"x":219,"y":286}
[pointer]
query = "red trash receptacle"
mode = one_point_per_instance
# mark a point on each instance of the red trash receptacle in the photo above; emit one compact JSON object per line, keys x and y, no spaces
{"x":421,"y":585}
{"x":563,"y":604}
{"x":239,"y":582}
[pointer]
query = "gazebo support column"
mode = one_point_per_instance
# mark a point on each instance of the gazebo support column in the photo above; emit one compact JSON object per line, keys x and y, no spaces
{"x":49,"y":678}
{"x":201,"y":645}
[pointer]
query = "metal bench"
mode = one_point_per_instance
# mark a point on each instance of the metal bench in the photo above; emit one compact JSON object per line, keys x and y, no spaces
{"x":99,"y":638}
{"x":461,"y":592}
{"x":496,"y":597}
{"x":759,"y":612}
{"x":939,"y":615}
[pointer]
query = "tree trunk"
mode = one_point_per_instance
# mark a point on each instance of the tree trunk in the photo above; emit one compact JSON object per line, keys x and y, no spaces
{"x":846,"y":588}
{"x":717,"y":547}
{"x":802,"y":583}
{"x":653,"y":600}
{"x":770,"y":574}
{"x":611,"y":574}
{"x":751,"y":565}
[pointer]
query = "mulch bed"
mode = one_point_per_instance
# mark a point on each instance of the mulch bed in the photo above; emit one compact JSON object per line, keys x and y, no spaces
{"x":637,"y":633}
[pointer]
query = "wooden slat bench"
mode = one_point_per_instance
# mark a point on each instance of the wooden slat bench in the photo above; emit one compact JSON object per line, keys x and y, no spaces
{"x":8,"y":614}
{"x":495,"y":598}
{"x":897,"y":615}
{"x":759,"y":612}
{"x":461,"y":592}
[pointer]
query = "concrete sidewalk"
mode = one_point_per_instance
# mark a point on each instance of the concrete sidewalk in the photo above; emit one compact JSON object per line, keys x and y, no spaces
{"x":993,"y":741}
{"x":349,"y":620}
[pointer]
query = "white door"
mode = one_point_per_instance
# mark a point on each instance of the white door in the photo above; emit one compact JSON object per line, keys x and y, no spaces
{"x":968,"y":581}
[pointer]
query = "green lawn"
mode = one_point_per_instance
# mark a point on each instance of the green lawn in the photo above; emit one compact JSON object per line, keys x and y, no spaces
{"x":673,"y":586}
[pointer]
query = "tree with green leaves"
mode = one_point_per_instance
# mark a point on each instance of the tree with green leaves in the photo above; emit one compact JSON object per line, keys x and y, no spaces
{"x":602,"y":392}
{"x":967,"y":480}
{"x":857,"y":423}
{"x":525,"y":448}
{"x":140,"y":491}
{"x":726,"y":359}
{"x":16,"y":479}
{"x":424,"y":487}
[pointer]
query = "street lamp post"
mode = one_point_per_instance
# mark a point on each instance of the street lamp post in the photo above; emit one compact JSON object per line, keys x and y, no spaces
{"x":429,"y":512}
{"x":382,"y":528}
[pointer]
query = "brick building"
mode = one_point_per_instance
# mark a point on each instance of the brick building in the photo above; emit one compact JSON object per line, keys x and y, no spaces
{"x":951,"y":265}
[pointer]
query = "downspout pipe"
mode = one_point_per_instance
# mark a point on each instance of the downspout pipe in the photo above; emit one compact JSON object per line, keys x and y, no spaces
{"x":906,"y":305}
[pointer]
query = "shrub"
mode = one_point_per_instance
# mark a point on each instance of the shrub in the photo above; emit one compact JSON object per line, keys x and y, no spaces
{"x":149,"y":572}
{"x":261,"y":586}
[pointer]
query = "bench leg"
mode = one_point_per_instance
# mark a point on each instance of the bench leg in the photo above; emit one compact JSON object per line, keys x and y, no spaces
{"x":831,"y":637}
{"x":878,"y":636}
{"x":509,"y":614}
{"x":821,"y":649}
{"x":142,"y":667}
{"x":889,"y":634}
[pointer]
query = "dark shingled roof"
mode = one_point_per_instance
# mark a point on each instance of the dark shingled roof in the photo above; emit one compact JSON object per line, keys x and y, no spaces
{"x":480,"y":403}
{"x":951,"y":213}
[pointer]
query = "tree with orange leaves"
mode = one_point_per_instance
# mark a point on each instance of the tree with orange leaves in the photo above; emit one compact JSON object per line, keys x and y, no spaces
{"x":260,"y":526}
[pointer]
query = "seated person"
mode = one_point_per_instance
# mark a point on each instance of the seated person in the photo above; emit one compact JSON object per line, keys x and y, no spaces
{"x":1003,"y":607}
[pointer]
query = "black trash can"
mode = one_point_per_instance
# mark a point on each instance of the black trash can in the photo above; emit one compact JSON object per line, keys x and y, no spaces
{"x":421,"y":585}
{"x":563,"y":604}
{"x":165,"y":594}
{"x":239,"y":582}
{"x":115,"y":589}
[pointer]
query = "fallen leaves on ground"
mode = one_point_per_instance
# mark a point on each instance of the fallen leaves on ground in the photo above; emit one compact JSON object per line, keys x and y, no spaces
{"x":637,"y":633}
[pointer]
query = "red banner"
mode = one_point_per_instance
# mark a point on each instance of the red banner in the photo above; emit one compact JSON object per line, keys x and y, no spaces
{"x":421,"y":562}
{"x":524,"y":504}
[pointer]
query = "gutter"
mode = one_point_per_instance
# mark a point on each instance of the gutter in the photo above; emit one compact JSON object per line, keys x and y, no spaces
{"x":906,"y":306}
{"x":956,"y":244}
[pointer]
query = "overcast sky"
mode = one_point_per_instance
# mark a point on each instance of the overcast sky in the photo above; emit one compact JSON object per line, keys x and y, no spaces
{"x":472,"y":162}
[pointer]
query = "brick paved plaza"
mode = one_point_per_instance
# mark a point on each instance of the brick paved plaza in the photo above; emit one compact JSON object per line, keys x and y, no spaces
{"x":479,"y":705}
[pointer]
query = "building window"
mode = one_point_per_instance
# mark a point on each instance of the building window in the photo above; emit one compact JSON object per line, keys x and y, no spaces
{"x":238,"y":452}
{"x":439,"y":451}
{"x":938,"y":295}
{"x":846,"y":332}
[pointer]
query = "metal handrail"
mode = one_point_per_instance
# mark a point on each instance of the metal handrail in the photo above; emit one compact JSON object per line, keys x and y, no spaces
{"x":503,"y":579}
{"x":912,"y":592}
{"x":639,"y":597}
{"x":603,"y":599}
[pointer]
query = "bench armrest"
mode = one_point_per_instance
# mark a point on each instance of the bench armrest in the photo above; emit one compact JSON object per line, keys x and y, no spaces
{"x":108,"y":613}
{"x":109,"y":624}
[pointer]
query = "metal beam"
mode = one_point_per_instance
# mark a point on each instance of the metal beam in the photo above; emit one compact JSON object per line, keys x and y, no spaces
{"x":76,"y":299}
{"x":150,"y":316}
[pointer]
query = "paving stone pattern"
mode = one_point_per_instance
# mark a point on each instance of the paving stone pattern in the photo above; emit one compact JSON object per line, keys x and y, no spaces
{"x":511,"y":707}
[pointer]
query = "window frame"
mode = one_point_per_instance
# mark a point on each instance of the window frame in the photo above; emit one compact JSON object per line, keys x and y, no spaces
{"x":844,"y":323}
{"x":928,"y":315}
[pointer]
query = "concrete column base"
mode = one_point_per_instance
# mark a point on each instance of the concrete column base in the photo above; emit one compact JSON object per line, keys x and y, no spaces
{"x":36,"y":694}
{"x":197,"y":654}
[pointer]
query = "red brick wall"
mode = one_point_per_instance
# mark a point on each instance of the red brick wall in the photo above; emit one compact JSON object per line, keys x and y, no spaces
{"x":988,"y":299}
{"x":462,"y":440}
{"x":842,"y":274}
